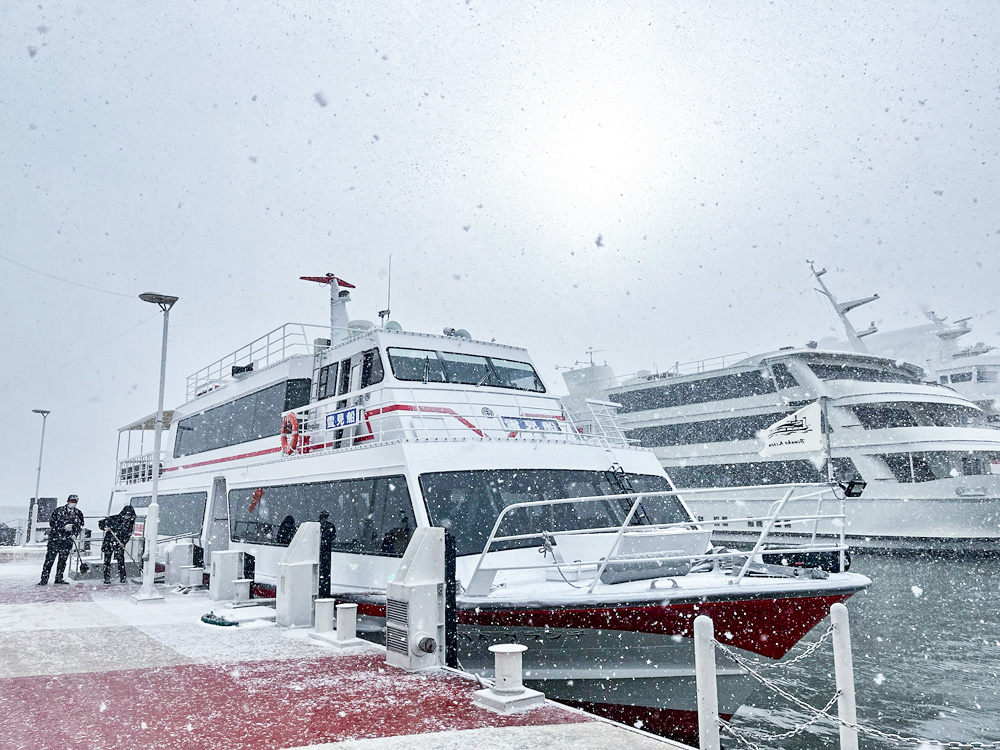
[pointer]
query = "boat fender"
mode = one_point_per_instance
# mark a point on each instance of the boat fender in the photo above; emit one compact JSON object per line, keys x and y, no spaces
{"x":289,"y":433}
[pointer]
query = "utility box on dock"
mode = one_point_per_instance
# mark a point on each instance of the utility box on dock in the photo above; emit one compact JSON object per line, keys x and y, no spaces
{"x":180,"y":554}
{"x":298,"y":575}
{"x":415,"y":604}
{"x":226,"y":569}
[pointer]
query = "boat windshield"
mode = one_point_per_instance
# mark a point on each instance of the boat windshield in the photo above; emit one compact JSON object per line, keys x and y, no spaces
{"x":853,"y":372}
{"x":469,"y":502}
{"x":467,"y":369}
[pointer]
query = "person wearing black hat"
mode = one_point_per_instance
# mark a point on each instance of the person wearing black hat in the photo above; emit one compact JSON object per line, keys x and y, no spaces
{"x":117,"y":530}
{"x":65,"y":523}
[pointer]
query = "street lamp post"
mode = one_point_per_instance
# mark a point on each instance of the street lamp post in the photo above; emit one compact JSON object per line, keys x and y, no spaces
{"x":38,"y":477}
{"x":147,"y":592}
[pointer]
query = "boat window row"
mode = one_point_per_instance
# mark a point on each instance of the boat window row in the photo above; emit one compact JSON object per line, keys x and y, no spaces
{"x":425,"y":366}
{"x":983,"y":375}
{"x":758,"y":473}
{"x":180,"y":513}
{"x":706,"y":431}
{"x":350,"y":374}
{"x":926,"y":466}
{"x":372,"y":516}
{"x":721,"y":388}
{"x":916,"y":414}
{"x":247,"y":418}
{"x":826,"y":371}
{"x":469,"y":503}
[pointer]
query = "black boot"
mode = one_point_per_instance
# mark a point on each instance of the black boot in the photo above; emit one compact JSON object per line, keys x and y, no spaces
{"x":42,"y":583}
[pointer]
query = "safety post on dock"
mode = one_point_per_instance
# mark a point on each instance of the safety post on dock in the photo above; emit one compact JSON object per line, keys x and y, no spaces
{"x":843,"y":664}
{"x":708,"y":694}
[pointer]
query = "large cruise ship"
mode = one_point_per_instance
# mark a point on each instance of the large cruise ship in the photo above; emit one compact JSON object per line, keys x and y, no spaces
{"x":928,"y":457}
{"x":972,"y":370}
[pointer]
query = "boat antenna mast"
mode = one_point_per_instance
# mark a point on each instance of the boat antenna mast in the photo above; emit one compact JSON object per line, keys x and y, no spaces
{"x":842,"y":308}
{"x":339,"y":297}
{"x":383,"y":315}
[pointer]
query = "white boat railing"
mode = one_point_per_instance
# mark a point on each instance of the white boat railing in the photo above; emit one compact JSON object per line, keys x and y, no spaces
{"x":383,"y":414}
{"x":136,"y":469}
{"x":483,"y":576}
{"x":286,"y":341}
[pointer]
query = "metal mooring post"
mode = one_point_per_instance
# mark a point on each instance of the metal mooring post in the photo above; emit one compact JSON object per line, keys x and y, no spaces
{"x":708,"y":694}
{"x":843,"y":664}
{"x":450,"y":593}
{"x":327,"y":533}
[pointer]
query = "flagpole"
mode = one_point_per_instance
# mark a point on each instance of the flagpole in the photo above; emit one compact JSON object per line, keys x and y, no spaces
{"x":826,"y":437}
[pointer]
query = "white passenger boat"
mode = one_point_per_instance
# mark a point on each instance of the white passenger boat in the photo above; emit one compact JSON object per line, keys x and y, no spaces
{"x":388,"y":430}
{"x":926,"y":454}
{"x":972,"y":371}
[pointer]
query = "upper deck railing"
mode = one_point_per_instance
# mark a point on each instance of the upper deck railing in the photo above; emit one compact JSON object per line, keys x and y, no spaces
{"x":378,"y":415}
{"x":281,"y":343}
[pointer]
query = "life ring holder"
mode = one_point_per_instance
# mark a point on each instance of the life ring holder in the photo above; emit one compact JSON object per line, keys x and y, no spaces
{"x":289,"y":433}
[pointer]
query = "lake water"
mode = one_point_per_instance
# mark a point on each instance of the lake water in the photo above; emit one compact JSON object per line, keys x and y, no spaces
{"x":926,"y":645}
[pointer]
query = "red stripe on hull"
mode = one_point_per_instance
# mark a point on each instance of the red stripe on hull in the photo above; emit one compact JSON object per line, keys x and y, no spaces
{"x":677,"y":725}
{"x":768,"y":627}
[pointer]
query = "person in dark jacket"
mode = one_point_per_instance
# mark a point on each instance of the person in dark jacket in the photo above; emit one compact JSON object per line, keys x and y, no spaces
{"x":117,"y":530}
{"x":65,"y":523}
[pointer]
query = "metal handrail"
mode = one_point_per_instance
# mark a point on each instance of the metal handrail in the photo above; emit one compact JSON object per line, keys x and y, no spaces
{"x":621,"y":530}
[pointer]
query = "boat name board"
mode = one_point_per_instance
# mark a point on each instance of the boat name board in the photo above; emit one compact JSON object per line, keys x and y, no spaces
{"x":531,"y":423}
{"x":343,"y":418}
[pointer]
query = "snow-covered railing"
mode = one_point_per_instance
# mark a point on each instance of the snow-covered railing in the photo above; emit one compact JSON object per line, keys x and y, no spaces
{"x":288,"y":340}
{"x":379,"y":414}
{"x":672,"y":535}
{"x":136,"y":469}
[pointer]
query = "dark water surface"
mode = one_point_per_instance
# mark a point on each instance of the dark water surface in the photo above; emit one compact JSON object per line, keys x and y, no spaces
{"x":926,"y":644}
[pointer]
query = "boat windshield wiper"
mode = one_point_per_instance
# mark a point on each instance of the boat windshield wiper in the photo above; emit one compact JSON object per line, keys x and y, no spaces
{"x":427,"y":369}
{"x":488,"y":375}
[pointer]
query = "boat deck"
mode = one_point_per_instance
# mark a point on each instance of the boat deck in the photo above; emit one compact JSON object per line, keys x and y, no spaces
{"x":81,"y":666}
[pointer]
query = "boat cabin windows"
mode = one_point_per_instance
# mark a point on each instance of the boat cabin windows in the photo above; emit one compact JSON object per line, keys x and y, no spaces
{"x":987,"y":375}
{"x":917,"y":414}
{"x":250,"y":417}
{"x":706,"y":431}
{"x":364,"y":368}
{"x":961,"y":377}
{"x":867,"y":374}
{"x":930,"y":465}
{"x":182,"y":513}
{"x":783,"y":376}
{"x":469,"y":502}
{"x":372,"y":516}
{"x":759,"y":473}
{"x":736,"y":385}
{"x":467,"y":369}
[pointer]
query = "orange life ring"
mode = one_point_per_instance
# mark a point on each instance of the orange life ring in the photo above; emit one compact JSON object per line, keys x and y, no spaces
{"x":289,"y":433}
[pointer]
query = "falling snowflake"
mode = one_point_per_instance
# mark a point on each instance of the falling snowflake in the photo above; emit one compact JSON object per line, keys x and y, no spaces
{"x":917,"y":591}
{"x":879,"y":678}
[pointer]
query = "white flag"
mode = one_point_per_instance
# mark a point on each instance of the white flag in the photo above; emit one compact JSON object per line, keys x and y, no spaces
{"x":800,"y":432}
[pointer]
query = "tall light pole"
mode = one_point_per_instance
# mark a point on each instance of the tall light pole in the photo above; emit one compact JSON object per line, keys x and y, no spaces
{"x":147,"y":592}
{"x":38,"y":477}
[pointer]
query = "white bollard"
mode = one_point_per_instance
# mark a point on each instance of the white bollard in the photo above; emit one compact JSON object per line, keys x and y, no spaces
{"x":507,"y":661}
{"x":347,"y":622}
{"x":843,"y":664}
{"x":708,"y":692}
{"x":508,"y":694}
{"x":324,"y":615}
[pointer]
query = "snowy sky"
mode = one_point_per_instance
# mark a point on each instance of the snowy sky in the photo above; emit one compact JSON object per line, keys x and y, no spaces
{"x":644,"y":178}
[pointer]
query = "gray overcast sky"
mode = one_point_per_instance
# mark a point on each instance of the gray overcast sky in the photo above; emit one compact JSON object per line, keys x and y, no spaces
{"x":646,"y":178}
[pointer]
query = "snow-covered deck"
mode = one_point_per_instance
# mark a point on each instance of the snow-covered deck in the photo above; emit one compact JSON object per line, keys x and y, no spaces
{"x":83,"y":667}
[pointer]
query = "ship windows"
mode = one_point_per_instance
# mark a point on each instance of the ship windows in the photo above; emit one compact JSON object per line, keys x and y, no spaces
{"x":783,"y":376}
{"x":469,"y":502}
{"x":466,"y":369}
{"x":372,"y":516}
{"x":867,"y":374}
{"x":736,"y":385}
{"x":371,"y":368}
{"x":930,"y":465}
{"x":182,"y":513}
{"x":706,"y":431}
{"x":758,"y":473}
{"x":917,"y":414}
{"x":961,"y":377}
{"x":247,"y":418}
{"x":987,"y":375}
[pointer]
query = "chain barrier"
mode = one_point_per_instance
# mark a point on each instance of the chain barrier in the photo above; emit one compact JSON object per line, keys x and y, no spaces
{"x":744,"y":735}
{"x":810,"y":650}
